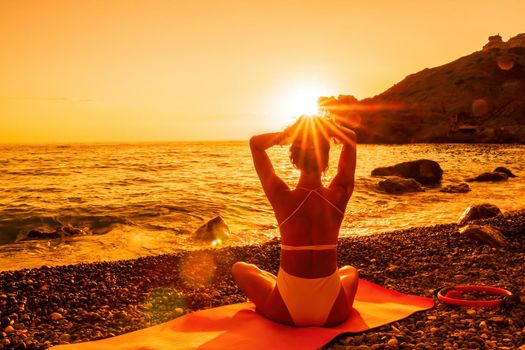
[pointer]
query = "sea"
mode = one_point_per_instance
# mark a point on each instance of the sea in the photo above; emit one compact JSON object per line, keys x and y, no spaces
{"x":142,"y":199}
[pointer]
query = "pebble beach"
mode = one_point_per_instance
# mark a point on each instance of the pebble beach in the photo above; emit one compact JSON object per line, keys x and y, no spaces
{"x":47,"y":306}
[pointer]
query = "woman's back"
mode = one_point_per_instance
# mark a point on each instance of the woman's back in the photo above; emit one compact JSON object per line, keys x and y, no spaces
{"x":309,"y":224}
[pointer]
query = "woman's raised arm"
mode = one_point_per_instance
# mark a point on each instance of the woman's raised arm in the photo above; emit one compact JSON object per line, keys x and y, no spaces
{"x":270,"y":182}
{"x":346,"y":168}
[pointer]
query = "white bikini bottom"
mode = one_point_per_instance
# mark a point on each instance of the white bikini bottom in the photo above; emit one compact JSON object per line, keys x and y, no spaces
{"x":309,"y":300}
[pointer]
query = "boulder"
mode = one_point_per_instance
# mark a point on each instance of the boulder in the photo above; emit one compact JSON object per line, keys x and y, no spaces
{"x":504,"y":170}
{"x":69,"y":230}
{"x":456,"y":188}
{"x":214,"y":229}
{"x":479,"y":211}
{"x":489,"y":176}
{"x":60,"y":232}
{"x":37,"y":234}
{"x":485,"y":234}
{"x":397,"y":185}
{"x":424,"y":171}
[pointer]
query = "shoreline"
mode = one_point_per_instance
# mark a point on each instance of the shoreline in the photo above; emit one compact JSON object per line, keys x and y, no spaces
{"x":71,"y":303}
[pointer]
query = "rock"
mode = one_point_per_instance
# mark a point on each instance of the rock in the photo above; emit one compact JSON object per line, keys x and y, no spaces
{"x":479,"y":211}
{"x":42,"y":234}
{"x":55,"y":316}
{"x":505,"y":171}
{"x":424,"y":171}
{"x":459,"y":188}
{"x":64,"y":337}
{"x":393,"y":343}
{"x":60,"y":232}
{"x":20,"y":346}
{"x":489,"y":176}
{"x":485,"y":234}
{"x":69,"y":230}
{"x":397,"y":185}
{"x":216,"y":228}
{"x":19,"y":326}
{"x":497,"y":319}
{"x":9,"y":329}
{"x":351,"y":347}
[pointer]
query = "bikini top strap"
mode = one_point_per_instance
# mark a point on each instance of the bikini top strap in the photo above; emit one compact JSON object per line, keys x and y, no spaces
{"x":327,"y":201}
{"x":315,"y":190}
{"x":296,"y":209}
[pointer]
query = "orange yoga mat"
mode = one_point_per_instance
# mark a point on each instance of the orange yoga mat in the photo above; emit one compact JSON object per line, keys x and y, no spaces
{"x":238,"y":326}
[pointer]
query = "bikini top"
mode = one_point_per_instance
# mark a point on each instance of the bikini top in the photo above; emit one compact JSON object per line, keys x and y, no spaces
{"x":310,"y":247}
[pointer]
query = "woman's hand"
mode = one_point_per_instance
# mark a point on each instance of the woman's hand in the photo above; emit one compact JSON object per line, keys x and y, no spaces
{"x":265,"y":141}
{"x":339,"y":132}
{"x":291,"y":131}
{"x":330,"y":127}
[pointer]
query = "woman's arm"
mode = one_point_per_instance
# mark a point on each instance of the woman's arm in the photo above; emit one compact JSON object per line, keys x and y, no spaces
{"x":346,"y":168}
{"x":270,"y":182}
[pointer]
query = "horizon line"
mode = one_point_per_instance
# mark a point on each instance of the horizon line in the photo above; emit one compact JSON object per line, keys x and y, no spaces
{"x":2,"y":143}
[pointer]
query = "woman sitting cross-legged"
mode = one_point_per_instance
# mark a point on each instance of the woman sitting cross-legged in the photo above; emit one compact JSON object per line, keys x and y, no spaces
{"x":309,"y":289}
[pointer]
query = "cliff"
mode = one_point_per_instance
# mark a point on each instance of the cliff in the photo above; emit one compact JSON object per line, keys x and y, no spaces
{"x":476,"y":98}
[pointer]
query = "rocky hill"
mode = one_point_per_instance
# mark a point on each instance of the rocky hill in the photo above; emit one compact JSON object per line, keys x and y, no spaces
{"x":476,"y":98}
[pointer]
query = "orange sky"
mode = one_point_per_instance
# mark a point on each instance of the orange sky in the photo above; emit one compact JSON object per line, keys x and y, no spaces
{"x":81,"y":71}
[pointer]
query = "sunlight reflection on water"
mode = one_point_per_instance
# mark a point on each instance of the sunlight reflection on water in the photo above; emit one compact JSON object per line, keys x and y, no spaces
{"x":149,"y":198}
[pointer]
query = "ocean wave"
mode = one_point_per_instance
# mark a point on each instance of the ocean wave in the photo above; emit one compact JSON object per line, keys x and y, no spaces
{"x":13,"y":229}
{"x":165,"y":227}
{"x":155,"y":195}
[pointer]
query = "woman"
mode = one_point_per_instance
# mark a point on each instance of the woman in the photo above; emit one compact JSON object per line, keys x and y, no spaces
{"x":309,"y":289}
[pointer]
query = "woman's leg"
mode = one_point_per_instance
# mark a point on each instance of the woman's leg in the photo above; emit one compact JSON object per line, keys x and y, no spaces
{"x":343,"y":304}
{"x":259,"y":286}
{"x":349,"y":280}
{"x":256,"y":284}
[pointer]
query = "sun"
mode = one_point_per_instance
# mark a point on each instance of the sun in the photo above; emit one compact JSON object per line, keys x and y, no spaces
{"x":301,"y":100}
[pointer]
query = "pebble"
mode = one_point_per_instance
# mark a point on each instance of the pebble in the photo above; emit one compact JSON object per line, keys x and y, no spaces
{"x":491,"y":343}
{"x":473,"y":345}
{"x":497,"y":319}
{"x":21,"y":346}
{"x":393,"y":342}
{"x":55,"y":316}
{"x":64,"y":337}
{"x":107,"y":298}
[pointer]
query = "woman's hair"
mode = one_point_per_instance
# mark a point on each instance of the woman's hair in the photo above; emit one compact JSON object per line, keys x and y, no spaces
{"x":309,"y":151}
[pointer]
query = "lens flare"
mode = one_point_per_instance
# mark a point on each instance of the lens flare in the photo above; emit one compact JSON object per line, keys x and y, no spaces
{"x":162,"y":304}
{"x":480,"y":107}
{"x":505,"y":62}
{"x":197,"y":269}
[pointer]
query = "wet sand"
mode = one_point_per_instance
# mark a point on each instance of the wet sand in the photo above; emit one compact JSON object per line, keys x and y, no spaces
{"x":56,"y":305}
